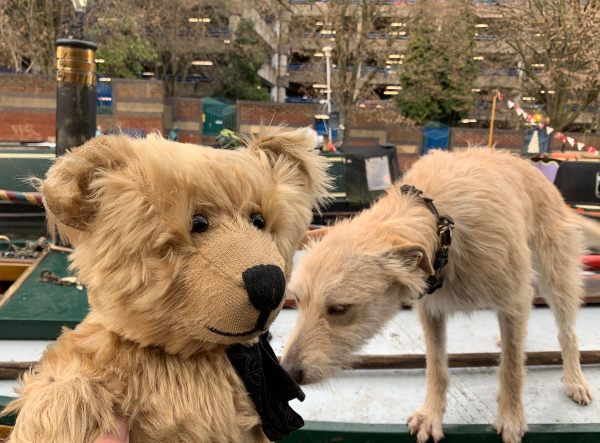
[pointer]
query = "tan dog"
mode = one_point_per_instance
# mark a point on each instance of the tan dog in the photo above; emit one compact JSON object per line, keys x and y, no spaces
{"x":180,"y":247}
{"x":511,"y":225}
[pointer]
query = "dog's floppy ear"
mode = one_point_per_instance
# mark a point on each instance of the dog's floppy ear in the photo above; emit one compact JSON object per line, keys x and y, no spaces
{"x":297,"y":146}
{"x":66,"y":188}
{"x":314,"y":235}
{"x":415,"y":256}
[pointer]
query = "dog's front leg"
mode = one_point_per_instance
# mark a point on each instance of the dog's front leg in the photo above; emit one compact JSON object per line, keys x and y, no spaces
{"x":426,"y":421}
{"x":510,"y":421}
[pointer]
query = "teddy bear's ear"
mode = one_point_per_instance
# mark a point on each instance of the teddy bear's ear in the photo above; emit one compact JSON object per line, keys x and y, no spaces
{"x":66,"y":188}
{"x":297,"y":146}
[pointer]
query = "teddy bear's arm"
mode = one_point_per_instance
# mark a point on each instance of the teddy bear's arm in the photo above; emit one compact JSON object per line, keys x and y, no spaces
{"x":66,"y":408}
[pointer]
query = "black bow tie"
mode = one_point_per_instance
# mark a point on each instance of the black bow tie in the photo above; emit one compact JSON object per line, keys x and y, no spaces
{"x":270,"y":387}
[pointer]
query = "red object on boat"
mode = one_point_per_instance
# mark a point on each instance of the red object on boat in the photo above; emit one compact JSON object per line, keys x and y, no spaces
{"x":591,"y":261}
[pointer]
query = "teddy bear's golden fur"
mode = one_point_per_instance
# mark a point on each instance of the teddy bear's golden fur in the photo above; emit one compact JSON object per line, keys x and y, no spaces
{"x":165,"y":301}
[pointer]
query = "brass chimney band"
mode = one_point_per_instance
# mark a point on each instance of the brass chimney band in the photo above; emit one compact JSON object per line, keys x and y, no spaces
{"x":75,"y":65}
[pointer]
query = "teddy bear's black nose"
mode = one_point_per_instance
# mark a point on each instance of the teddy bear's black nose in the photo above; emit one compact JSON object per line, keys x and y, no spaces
{"x":265,"y":285}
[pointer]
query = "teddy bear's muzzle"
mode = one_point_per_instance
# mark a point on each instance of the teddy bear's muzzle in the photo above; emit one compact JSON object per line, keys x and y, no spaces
{"x":265,"y":285}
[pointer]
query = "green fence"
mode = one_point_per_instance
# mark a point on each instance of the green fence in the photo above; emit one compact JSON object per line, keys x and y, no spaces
{"x":217,"y":114}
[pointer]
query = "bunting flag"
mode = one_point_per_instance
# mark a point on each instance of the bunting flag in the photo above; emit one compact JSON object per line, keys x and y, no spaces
{"x":549,"y":130}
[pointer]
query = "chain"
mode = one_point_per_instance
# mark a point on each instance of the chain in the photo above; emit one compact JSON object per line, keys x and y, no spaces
{"x":48,"y":277}
{"x":31,"y":250}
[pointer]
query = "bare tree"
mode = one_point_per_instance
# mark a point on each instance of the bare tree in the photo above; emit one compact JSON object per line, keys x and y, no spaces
{"x":361,"y":37}
{"x":171,"y":38}
{"x":557,"y":43}
{"x":185,"y":32}
{"x":28,"y":32}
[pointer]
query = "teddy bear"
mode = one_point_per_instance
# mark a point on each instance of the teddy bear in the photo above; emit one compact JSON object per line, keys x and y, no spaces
{"x":184,"y":251}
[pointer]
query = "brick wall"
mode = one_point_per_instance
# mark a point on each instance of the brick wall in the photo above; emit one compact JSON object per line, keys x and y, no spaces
{"x":186,"y":114}
{"x":514,"y":140}
{"x":462,"y":138}
{"x":137,"y":104}
{"x":28,"y":107}
{"x":27,"y":85}
{"x":28,"y":113}
{"x":405,"y":161}
{"x":251,"y":115}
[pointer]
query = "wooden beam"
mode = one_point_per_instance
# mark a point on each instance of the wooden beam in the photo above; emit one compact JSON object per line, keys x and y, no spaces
{"x":588,"y":300}
{"x":12,"y":370}
{"x":471,"y":360}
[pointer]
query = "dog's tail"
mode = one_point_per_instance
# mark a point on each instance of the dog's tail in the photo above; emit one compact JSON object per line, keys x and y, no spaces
{"x":590,"y":229}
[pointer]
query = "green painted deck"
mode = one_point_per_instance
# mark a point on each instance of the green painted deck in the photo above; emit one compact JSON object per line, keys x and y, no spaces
{"x":329,"y":432}
{"x":10,"y":419}
{"x":325,"y":432}
{"x":38,"y":310}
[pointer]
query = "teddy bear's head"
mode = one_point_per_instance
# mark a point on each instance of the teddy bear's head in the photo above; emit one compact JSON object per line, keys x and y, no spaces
{"x":181,"y":246}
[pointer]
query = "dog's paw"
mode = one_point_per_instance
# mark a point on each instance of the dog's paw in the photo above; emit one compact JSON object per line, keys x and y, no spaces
{"x":512,"y":427}
{"x":579,"y":392}
{"x":426,"y":424}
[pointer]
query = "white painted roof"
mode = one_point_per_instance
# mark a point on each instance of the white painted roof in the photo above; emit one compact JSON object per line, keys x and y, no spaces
{"x":389,"y":396}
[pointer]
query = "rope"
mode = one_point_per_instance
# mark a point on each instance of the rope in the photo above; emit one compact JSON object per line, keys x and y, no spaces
{"x":32,"y":198}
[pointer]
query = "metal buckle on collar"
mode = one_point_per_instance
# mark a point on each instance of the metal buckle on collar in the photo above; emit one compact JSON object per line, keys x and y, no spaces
{"x":436,"y":281}
{"x":445,"y":227}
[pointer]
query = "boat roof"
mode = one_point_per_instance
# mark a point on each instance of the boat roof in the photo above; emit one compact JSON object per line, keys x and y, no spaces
{"x":389,"y":396}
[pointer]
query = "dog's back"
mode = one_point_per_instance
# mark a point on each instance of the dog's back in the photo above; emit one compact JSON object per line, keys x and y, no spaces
{"x":508,"y":217}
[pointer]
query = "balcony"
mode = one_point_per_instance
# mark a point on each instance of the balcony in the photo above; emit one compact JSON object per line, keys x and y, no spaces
{"x":503,"y":78}
{"x":310,"y":73}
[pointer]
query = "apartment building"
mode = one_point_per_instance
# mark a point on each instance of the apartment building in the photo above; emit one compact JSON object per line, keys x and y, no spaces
{"x":305,"y":73}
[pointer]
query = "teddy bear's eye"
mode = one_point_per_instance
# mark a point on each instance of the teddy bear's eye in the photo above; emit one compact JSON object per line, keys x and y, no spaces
{"x":199,"y":224}
{"x":258,"y":221}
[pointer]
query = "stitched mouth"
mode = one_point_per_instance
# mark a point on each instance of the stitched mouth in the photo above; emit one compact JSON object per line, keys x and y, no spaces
{"x":231,"y":334}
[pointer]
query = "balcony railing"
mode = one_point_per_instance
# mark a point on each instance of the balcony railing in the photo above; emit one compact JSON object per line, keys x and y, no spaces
{"x":511,"y":72}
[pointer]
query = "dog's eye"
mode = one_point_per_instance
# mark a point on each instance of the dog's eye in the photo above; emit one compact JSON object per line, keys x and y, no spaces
{"x":338,"y":309}
{"x":258,"y":221}
{"x":199,"y":224}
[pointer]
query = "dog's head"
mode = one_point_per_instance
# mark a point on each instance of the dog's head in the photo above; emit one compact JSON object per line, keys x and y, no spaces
{"x":182,"y":246}
{"x":347,"y":285}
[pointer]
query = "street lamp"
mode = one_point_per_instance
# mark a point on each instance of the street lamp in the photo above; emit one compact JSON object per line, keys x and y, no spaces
{"x":327,"y":52}
{"x":75,"y":87}
{"x":79,"y":6}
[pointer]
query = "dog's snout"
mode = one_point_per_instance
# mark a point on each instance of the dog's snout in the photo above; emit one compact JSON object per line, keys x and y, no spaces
{"x":265,"y":285}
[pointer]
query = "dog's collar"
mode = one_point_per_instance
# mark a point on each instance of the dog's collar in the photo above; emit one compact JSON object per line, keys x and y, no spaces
{"x":445,"y":224}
